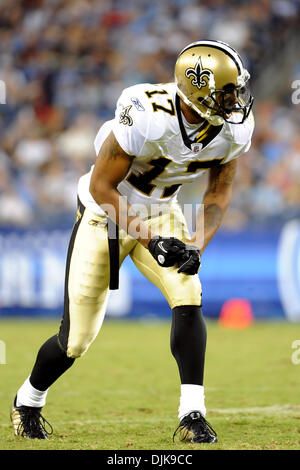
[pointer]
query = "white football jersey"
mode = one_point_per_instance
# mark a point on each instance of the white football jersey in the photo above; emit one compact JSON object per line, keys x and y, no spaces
{"x":168,"y":151}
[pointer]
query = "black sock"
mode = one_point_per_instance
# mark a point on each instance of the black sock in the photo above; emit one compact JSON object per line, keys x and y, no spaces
{"x":51,"y":363}
{"x":188,"y":343}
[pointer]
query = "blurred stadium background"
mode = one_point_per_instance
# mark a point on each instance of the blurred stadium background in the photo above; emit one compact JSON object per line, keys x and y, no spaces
{"x":64,"y":64}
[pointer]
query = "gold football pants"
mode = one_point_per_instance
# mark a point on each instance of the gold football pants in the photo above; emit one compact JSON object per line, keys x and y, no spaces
{"x":88,"y":274}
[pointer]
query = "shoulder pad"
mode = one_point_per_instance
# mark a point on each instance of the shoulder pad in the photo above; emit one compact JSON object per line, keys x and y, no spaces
{"x":134,"y":100}
{"x":139,"y":100}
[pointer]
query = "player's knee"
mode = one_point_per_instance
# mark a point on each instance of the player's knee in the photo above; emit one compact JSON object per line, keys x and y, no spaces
{"x":76,"y":351}
{"x":186,"y":291}
{"x":189,"y":294}
{"x":89,"y":297}
{"x":77,"y":348}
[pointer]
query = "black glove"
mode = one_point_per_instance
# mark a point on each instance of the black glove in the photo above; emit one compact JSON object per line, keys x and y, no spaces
{"x":167,"y":251}
{"x":191,"y":260}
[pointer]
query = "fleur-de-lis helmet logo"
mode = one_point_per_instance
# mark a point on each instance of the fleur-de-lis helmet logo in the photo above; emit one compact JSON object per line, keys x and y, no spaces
{"x":199,"y":76}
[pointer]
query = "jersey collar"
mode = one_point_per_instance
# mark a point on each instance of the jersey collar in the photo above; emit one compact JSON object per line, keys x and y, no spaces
{"x":204,"y":135}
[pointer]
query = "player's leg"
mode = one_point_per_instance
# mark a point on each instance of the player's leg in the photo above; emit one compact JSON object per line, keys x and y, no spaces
{"x":188,"y":330}
{"x":86,"y":291}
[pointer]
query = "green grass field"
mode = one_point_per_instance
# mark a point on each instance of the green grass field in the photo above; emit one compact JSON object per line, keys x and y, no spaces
{"x":124,"y":393}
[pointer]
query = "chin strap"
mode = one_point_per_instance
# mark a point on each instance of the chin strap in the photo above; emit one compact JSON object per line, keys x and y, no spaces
{"x":213,"y":119}
{"x":187,"y":141}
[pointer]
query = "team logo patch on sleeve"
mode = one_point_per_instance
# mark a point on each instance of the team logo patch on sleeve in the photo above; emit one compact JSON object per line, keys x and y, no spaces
{"x":125,"y":118}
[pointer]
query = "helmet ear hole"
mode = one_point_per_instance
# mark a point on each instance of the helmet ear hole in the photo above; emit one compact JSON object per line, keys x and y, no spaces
{"x":229,"y":87}
{"x":209,"y":102}
{"x":203,"y":101}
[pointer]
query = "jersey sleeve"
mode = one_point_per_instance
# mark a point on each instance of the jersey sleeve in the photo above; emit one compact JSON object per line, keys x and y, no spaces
{"x":236,"y":150}
{"x":241,"y":139}
{"x":130,"y":123}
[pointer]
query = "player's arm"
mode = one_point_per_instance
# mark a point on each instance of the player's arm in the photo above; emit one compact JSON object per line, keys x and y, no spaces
{"x":111,"y":167}
{"x":216,"y":200}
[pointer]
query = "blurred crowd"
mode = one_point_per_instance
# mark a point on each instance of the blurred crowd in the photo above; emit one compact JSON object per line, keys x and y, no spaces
{"x":65,"y":62}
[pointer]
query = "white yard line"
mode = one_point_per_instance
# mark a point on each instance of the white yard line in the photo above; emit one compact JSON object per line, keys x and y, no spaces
{"x":274,"y":410}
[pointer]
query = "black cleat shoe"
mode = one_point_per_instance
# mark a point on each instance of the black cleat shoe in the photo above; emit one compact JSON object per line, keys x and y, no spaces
{"x":28,"y":422}
{"x":194,"y":428}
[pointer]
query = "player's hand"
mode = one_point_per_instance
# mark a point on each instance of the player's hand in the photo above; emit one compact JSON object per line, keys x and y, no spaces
{"x":167,"y":251}
{"x":191,"y":260}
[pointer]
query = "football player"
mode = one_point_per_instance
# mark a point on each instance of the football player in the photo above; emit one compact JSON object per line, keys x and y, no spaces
{"x":162,"y":136}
